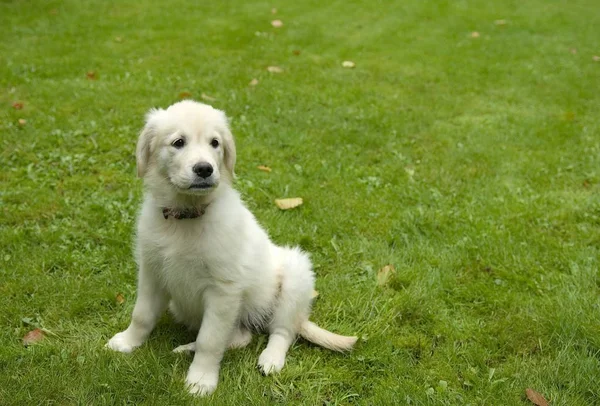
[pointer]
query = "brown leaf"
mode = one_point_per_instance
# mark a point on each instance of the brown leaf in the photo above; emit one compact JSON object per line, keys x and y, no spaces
{"x":264,"y":168}
{"x":184,"y":95}
{"x":253,"y":82}
{"x":596,"y":58}
{"x":277,"y":23}
{"x":34,"y":336}
{"x":500,"y":22}
{"x":587,"y":184}
{"x":120,"y":298}
{"x":274,"y":69}
{"x":207,"y":97}
{"x":296,"y":52}
{"x":384,"y":274}
{"x":348,"y":64}
{"x":91,"y":75}
{"x":475,"y":34}
{"x":53,"y":12}
{"x":22,"y":121}
{"x":535,"y":397}
{"x":286,"y":204}
{"x":573,"y":50}
{"x":17,"y":105}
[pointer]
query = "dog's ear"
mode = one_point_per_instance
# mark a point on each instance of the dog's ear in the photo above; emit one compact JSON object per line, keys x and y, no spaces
{"x":142,"y":151}
{"x":228,"y":147}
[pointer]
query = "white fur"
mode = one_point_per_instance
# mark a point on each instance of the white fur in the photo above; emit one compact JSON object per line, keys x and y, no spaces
{"x":219,"y":272}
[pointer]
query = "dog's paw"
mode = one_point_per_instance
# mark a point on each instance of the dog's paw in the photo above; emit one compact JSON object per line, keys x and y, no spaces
{"x":122,"y":342}
{"x":201,"y":382}
{"x":271,"y":361}
{"x":241,"y":338}
{"x":191,"y":347}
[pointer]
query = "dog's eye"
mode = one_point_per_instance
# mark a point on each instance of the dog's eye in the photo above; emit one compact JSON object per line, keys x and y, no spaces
{"x":178,"y":143}
{"x":214,"y":143}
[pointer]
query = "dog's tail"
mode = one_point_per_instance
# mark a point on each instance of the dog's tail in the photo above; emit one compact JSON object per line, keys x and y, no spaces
{"x":324,"y":338}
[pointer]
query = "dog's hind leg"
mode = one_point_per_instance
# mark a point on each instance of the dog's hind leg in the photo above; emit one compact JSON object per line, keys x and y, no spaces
{"x":292,"y":308}
{"x":241,"y":338}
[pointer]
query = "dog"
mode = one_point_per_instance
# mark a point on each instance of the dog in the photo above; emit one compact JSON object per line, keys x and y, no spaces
{"x":201,"y":252}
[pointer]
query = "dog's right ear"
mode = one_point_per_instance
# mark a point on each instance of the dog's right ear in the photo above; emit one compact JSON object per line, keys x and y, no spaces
{"x":142,"y":151}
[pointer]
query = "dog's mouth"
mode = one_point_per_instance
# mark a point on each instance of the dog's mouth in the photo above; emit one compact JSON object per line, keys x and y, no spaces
{"x":201,"y":186}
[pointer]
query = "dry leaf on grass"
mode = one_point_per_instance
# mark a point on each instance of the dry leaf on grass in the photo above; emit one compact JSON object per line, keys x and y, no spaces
{"x":253,"y":82}
{"x":22,"y":121}
{"x":34,"y":336}
{"x":315,"y":294}
{"x":286,"y":204}
{"x":91,"y":75}
{"x":296,"y":52}
{"x":348,"y":64}
{"x":274,"y":69}
{"x":206,"y":97}
{"x":17,"y":105}
{"x":475,"y":34}
{"x":384,"y":275}
{"x":277,"y":23}
{"x":264,"y":168}
{"x":184,"y":95}
{"x":596,"y":58}
{"x":120,"y":299}
{"x":535,"y":397}
{"x":573,"y":50}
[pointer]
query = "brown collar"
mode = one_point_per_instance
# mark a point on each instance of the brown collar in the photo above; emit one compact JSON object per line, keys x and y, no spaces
{"x":186,"y":213}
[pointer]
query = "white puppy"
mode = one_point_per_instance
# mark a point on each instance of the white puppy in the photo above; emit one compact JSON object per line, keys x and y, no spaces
{"x":201,"y":252}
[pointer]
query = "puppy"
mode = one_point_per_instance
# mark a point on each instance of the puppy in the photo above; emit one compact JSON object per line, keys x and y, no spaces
{"x":202,"y":253}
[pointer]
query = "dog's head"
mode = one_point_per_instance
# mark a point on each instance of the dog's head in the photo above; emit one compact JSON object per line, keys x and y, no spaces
{"x":188,"y":145}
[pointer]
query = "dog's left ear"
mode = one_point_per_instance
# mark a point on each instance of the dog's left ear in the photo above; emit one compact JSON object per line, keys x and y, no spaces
{"x":228,"y":147}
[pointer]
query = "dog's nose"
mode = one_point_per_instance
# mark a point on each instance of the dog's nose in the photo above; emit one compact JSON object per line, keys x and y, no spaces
{"x":203,"y":169}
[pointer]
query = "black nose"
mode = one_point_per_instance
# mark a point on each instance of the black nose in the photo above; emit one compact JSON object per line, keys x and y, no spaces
{"x":203,"y":169}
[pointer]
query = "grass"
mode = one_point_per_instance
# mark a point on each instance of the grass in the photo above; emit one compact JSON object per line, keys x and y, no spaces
{"x":471,"y":164}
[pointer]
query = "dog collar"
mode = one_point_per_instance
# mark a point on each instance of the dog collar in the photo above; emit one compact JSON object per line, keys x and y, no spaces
{"x":187,"y":213}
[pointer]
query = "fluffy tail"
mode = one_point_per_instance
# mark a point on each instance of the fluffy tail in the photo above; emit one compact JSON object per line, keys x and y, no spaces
{"x":324,"y":338}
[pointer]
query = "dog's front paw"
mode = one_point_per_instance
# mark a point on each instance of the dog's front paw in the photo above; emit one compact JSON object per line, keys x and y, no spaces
{"x":200,"y":381}
{"x":123,"y":342}
{"x":271,"y":361}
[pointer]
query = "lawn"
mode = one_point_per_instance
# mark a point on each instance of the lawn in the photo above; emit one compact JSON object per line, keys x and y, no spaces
{"x":463,"y":149}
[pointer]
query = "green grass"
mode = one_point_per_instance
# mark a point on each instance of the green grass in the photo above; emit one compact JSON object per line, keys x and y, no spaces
{"x":472,"y":165}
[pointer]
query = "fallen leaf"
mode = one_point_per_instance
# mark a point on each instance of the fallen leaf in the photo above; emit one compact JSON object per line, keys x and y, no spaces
{"x":296,"y":52}
{"x":500,"y":22}
{"x":22,"y":121}
{"x":315,"y":294}
{"x":596,"y":58}
{"x":274,"y":69}
{"x":384,"y":274}
{"x":34,"y":336}
{"x":586,"y":184}
{"x":253,"y":82}
{"x":277,"y":23}
{"x":264,"y":168}
{"x":273,"y":11}
{"x":17,"y":105}
{"x":535,"y":397}
{"x":475,"y":34}
{"x":206,"y":97}
{"x":53,"y":12}
{"x":120,"y":298}
{"x":91,"y":75}
{"x":185,"y":95}
{"x":348,"y":64}
{"x":573,"y":50}
{"x":286,"y":204}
